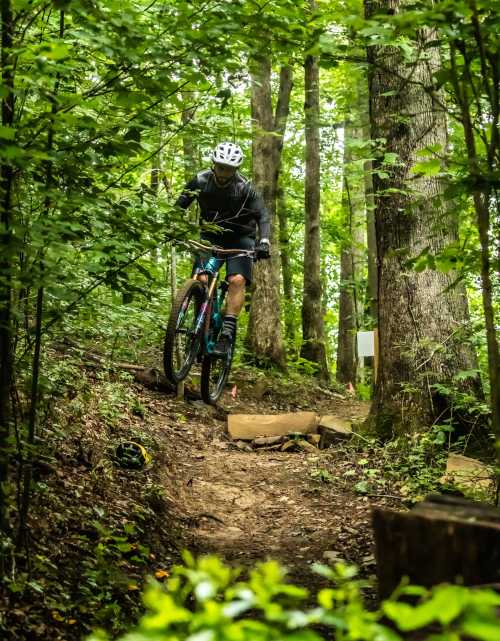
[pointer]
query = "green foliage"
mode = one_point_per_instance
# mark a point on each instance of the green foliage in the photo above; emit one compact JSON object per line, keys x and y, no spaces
{"x":364,"y":391}
{"x":101,"y":95}
{"x":207,"y":600}
{"x":321,"y":475}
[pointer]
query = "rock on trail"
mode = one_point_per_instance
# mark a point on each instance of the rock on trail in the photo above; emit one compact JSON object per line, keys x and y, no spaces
{"x":249,"y":504}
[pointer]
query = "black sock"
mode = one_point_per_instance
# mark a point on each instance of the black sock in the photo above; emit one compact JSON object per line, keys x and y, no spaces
{"x":229,"y":324}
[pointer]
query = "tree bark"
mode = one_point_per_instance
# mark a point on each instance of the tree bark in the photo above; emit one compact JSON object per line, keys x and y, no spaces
{"x":286,"y":268}
{"x":264,"y":336}
{"x":313,"y":328}
{"x":423,"y":318}
{"x":280,"y":120}
{"x":6,"y":263}
{"x":351,"y":260}
{"x":371,"y":237}
{"x":188,"y":144}
{"x":481,"y":199}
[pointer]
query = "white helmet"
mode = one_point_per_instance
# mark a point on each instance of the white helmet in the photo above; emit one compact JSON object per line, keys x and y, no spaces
{"x":227,"y":153}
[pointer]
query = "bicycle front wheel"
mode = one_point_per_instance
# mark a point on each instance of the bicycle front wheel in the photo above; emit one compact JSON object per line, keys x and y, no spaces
{"x":214,"y":374}
{"x":181,"y":341}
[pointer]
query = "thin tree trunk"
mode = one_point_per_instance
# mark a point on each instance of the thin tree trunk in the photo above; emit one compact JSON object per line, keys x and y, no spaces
{"x":371,"y":244}
{"x":313,"y":329}
{"x":189,"y":154}
{"x":371,"y":237}
{"x":6,"y":262}
{"x":481,"y":201}
{"x":35,"y":374}
{"x":351,"y":261}
{"x":423,"y":319}
{"x":188,"y":144}
{"x":286,"y":268}
{"x":280,"y":121}
{"x":264,"y":336}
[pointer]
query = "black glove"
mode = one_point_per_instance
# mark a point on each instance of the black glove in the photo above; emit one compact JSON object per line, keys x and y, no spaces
{"x":262,"y":251}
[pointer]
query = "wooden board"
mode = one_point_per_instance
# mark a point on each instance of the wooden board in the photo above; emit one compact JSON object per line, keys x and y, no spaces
{"x":247,"y":427}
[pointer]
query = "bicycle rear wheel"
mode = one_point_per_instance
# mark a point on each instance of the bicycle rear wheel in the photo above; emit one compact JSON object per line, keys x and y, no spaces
{"x":181,"y":342}
{"x":214,"y":374}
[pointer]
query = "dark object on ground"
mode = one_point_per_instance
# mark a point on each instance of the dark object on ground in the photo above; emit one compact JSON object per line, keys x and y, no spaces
{"x":132,"y":455}
{"x":155,"y":380}
{"x":443,"y":539}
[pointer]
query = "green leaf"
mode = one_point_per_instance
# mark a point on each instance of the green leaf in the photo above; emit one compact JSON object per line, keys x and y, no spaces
{"x":362,"y":487}
{"x":390,"y":158}
{"x":7,"y":133}
{"x":482,"y":630}
{"x":430,"y":149}
{"x":57,"y":51}
{"x":427,"y":168}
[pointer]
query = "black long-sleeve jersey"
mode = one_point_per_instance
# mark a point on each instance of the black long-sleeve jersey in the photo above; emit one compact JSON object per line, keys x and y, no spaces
{"x":236,"y":207}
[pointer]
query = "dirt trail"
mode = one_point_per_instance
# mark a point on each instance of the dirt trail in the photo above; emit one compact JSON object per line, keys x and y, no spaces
{"x":251,"y":505}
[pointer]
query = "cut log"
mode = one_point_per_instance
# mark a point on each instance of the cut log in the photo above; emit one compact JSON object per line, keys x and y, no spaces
{"x":468,"y":473}
{"x":332,"y":430}
{"x":263,"y":441}
{"x":332,"y":422}
{"x":248,"y":427}
{"x":444,"y":539}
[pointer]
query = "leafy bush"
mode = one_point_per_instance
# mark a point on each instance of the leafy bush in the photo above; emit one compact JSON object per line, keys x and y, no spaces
{"x":204,"y":601}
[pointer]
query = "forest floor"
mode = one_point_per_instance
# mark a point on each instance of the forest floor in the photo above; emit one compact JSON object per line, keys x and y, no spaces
{"x":246,"y":505}
{"x":96,"y":530}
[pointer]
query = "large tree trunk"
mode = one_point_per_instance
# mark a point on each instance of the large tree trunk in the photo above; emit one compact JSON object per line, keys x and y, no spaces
{"x":423,"y":319}
{"x":264,"y":337}
{"x":351,"y":260}
{"x":313,"y":328}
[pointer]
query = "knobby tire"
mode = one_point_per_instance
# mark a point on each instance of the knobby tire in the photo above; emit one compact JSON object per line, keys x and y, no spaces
{"x":192,"y":290}
{"x":210,"y":392}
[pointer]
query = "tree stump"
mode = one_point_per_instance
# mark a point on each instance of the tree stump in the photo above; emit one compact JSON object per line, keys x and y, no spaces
{"x":444,"y":539}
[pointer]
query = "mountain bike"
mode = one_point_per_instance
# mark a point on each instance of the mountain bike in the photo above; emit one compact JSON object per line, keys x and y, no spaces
{"x":195,"y":323}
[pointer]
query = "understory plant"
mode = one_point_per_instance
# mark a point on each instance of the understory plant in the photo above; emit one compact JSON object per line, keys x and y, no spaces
{"x":206,"y":600}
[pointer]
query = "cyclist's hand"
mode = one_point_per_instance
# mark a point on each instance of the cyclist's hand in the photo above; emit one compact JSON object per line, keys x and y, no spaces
{"x":262,"y":251}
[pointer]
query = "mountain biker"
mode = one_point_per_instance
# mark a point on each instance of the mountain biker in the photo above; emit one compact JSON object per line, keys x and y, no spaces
{"x":229,"y":200}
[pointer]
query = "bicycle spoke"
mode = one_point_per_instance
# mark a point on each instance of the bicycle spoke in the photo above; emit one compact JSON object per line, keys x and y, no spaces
{"x":181,"y":341}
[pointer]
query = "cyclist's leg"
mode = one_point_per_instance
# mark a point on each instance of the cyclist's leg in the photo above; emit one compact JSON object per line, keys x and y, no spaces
{"x":239,"y":275}
{"x":235,"y":294}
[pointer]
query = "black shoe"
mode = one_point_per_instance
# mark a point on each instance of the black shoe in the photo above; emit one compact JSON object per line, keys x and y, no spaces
{"x":223,"y":345}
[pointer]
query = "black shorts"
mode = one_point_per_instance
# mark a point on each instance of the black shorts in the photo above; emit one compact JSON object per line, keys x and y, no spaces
{"x":234,"y":264}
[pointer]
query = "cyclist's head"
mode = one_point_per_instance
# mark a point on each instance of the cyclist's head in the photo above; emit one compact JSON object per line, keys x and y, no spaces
{"x":227,"y":157}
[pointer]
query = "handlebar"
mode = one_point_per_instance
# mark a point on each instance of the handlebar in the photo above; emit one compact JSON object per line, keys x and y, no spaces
{"x":219,"y":250}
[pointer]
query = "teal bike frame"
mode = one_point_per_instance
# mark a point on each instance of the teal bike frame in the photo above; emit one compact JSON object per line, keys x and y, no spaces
{"x":213,"y":302}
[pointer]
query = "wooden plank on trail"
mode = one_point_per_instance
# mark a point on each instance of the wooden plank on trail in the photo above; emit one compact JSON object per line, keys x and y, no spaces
{"x":442,"y":540}
{"x":468,"y":473}
{"x":333,"y":429}
{"x":247,"y":427}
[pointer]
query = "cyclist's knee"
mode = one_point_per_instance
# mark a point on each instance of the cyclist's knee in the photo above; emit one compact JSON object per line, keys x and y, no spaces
{"x":237,"y":280}
{"x":203,"y":278}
